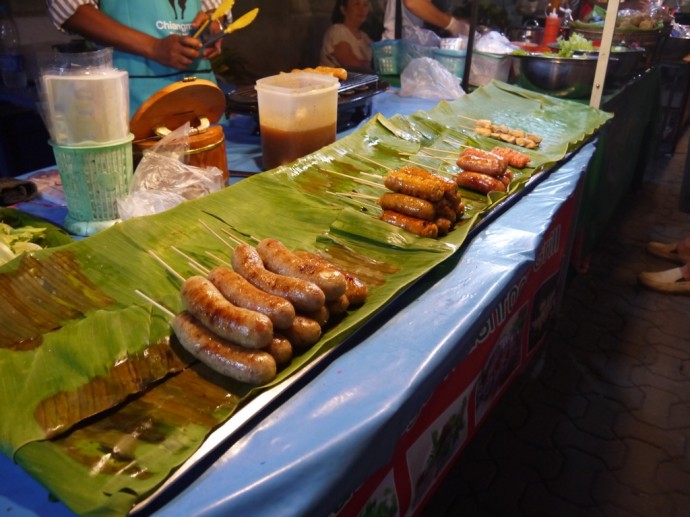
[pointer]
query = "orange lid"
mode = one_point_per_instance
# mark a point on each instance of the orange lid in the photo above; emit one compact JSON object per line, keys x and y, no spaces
{"x":183,"y":101}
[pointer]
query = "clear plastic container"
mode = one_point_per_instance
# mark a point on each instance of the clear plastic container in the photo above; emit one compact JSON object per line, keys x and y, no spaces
{"x":298,"y":114}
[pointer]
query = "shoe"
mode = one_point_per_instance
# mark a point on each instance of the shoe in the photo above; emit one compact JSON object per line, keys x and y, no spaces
{"x":665,"y":251}
{"x":670,"y":281}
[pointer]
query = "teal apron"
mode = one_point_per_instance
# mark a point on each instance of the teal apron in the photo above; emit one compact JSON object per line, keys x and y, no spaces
{"x":159,"y":18}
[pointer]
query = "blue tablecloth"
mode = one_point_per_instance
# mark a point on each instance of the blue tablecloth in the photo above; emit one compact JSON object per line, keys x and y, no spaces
{"x":313,"y":450}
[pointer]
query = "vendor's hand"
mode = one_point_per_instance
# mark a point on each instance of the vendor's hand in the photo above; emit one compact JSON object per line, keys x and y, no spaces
{"x":177,"y":51}
{"x":212,"y":29}
{"x":213,"y":50}
{"x":457,"y":27}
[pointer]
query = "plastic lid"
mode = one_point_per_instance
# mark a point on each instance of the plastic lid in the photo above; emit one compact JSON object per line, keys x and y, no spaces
{"x":297,"y":83}
{"x":176,"y":104}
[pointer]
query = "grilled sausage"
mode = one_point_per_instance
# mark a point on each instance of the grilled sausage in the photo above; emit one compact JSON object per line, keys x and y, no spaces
{"x":303,"y":295}
{"x":481,"y":153}
{"x":450,"y":189}
{"x":470,"y":162}
{"x":279,"y":259}
{"x":413,"y":185}
{"x":534,"y":138}
{"x":411,"y":224}
{"x":526,"y":142}
{"x":408,"y":205}
{"x":253,"y":367}
{"x":513,"y":158}
{"x":241,"y":292}
{"x":280,"y":349}
{"x":236,"y":324}
{"x":321,"y":316}
{"x":479,"y":182}
{"x":338,"y":306}
{"x":304,"y":332}
{"x":356,"y":292}
{"x":444,"y":226}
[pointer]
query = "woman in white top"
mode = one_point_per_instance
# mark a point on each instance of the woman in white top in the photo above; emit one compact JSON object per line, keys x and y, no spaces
{"x":345,"y":45}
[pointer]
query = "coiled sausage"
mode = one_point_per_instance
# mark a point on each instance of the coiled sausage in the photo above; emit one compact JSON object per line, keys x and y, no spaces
{"x":253,"y":367}
{"x":279,"y":259}
{"x":305,"y":296}
{"x":241,"y":292}
{"x":241,"y":326}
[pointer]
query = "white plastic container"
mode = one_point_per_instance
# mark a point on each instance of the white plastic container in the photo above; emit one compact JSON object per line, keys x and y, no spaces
{"x":485,"y":67}
{"x":298,"y":114}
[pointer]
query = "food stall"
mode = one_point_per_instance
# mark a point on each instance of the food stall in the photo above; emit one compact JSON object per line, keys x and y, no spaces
{"x":481,"y":297}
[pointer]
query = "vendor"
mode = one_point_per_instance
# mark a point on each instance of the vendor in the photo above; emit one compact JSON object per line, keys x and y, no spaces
{"x":152,"y":40}
{"x":415,"y":13}
{"x":345,"y":45}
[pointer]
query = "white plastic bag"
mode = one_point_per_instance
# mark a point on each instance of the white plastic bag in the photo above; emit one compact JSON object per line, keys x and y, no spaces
{"x":162,"y":179}
{"x":494,"y":43}
{"x":428,"y":79}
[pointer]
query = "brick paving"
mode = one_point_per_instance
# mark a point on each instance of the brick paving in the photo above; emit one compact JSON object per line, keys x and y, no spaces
{"x":599,"y":423}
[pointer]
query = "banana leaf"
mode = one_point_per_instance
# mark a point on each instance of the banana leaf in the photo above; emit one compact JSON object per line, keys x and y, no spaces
{"x":101,"y":404}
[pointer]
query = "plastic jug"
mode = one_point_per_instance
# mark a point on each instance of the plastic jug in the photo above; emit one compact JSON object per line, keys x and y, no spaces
{"x":298,"y":113}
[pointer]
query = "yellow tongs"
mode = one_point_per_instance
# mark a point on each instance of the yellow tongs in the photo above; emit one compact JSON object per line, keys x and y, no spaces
{"x":238,"y":24}
{"x":220,"y":11}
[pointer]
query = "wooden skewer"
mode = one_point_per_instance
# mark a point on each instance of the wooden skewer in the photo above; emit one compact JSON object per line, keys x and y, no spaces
{"x":154,"y":302}
{"x":371,"y":175}
{"x":217,"y":235}
{"x":374,"y":162}
{"x":191,"y":261}
{"x":436,"y":169}
{"x":220,"y":260}
{"x":357,"y":180}
{"x":468,"y":118}
{"x":166,"y":266}
{"x":447,"y":151}
{"x":357,"y":195}
{"x":237,"y":239}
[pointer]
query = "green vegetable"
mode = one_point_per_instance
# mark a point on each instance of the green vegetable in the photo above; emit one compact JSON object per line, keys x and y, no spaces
{"x":15,"y":241}
{"x":576,"y":43}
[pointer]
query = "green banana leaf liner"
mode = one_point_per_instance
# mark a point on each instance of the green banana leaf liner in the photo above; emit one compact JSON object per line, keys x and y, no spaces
{"x":101,"y":404}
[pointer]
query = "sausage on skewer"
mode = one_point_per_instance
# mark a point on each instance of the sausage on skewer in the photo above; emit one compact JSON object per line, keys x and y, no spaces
{"x":254,"y":367}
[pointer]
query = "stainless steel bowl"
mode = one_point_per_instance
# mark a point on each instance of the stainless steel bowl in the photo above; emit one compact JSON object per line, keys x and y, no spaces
{"x":623,"y":64}
{"x":569,"y":78}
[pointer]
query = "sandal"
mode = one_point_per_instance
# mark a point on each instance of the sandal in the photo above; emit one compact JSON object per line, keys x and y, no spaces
{"x":665,"y":251}
{"x":670,"y":281}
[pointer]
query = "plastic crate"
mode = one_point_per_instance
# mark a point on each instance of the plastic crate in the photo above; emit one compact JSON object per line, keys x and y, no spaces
{"x":453,"y":60}
{"x":385,"y":56}
{"x":410,"y":51}
{"x":486,"y":66}
{"x":392,"y":56}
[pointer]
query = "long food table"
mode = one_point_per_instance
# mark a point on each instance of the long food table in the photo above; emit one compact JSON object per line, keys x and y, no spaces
{"x":377,"y":422}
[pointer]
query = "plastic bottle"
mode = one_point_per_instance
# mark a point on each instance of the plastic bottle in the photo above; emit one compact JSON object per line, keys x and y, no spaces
{"x":566,"y":22}
{"x":11,"y":60}
{"x":552,"y":28}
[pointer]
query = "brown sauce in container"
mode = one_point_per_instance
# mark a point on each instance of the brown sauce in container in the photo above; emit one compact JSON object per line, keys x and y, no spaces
{"x":280,"y":147}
